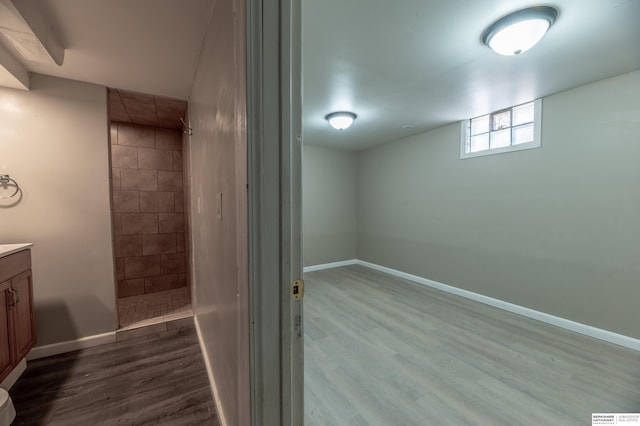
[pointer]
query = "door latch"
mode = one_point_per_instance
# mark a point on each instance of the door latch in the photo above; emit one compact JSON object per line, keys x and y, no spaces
{"x":297,"y":289}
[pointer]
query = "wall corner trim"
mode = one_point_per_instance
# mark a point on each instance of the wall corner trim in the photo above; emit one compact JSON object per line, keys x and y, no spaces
{"x":587,"y":330}
{"x":212,"y":380}
{"x":331,"y":265}
{"x":71,"y":345}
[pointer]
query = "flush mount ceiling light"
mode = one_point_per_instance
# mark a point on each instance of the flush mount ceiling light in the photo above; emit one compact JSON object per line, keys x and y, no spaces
{"x":520,"y":30}
{"x":340,"y":120}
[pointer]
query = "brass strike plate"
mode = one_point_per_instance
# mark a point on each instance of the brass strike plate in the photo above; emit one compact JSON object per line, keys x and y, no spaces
{"x":297,"y":289}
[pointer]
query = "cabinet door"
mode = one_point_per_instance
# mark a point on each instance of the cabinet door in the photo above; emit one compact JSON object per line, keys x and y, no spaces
{"x":6,"y":360}
{"x":22,"y":315}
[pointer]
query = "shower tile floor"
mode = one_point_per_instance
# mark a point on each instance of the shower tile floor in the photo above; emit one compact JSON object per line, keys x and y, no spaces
{"x":154,"y":308}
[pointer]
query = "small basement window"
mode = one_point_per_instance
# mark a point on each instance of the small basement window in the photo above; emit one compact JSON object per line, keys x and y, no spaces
{"x":511,"y":129}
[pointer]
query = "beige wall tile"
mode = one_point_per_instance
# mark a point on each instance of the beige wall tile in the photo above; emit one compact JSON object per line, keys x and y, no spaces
{"x":169,"y":181}
{"x":182,"y":280}
{"x":127,"y":288}
{"x":177,"y":160}
{"x":169,"y":139}
{"x":125,"y":157}
{"x":158,"y":244}
{"x":157,"y":202}
{"x":173,"y":263}
{"x":115,"y":179}
{"x":156,"y":159}
{"x":161,"y":283}
{"x":138,"y":180}
{"x":116,"y":222}
{"x":148,"y":208}
{"x":179,"y":201}
{"x":127,"y":245}
{"x":139,"y":223}
{"x":180,"y":242}
{"x":113,"y":133}
{"x":117,"y":110}
{"x":126,"y":201}
{"x":120,"y":269}
{"x":139,"y":267}
{"x":170,"y":110}
{"x":132,"y":135}
{"x":171,"y":222}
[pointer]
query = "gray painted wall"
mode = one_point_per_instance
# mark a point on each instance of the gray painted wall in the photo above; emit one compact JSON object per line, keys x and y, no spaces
{"x":217,"y":165}
{"x":329,"y":224}
{"x":554,"y":229}
{"x":54,"y":142}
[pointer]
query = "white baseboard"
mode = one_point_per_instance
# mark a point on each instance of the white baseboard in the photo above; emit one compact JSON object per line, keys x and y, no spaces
{"x":71,"y":345}
{"x":15,"y":374}
{"x":587,"y":330}
{"x":330,"y":265}
{"x":212,"y":380}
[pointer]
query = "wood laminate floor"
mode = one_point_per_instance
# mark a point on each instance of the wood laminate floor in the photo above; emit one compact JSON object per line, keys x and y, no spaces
{"x":381,"y":350}
{"x":154,"y":379}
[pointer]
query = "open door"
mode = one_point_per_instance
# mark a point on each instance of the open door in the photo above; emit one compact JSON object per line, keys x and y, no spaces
{"x":275,"y":262}
{"x":292,"y":332}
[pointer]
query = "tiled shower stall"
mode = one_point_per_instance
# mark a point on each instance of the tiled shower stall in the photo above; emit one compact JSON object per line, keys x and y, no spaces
{"x":148,"y":219}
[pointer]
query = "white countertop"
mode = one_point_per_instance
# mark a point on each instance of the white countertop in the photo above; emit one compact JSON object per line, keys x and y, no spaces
{"x":7,"y":249}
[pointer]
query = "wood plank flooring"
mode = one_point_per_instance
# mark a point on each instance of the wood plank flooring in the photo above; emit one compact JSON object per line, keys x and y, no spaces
{"x":155,"y":379}
{"x":380,"y":350}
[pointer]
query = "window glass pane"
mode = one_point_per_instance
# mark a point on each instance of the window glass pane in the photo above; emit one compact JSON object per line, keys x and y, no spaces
{"x":523,"y":114}
{"x":501,"y":138}
{"x":523,"y":134}
{"x":479,"y":143}
{"x":480,"y":125}
{"x":510,"y":129}
{"x":501,"y":120}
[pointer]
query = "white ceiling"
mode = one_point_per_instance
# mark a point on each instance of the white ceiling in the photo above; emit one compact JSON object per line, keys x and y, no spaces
{"x":146,"y":46}
{"x":421,"y":62}
{"x":394,"y":63}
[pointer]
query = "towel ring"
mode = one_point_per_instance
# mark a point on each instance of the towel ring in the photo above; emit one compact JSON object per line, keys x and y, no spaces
{"x":6,"y":180}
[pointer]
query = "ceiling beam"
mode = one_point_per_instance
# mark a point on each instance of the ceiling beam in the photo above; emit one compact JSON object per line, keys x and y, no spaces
{"x":49,"y":47}
{"x":12,"y":73}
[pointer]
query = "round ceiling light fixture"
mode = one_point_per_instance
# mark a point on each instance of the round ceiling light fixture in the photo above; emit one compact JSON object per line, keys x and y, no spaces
{"x":519,"y":31}
{"x":340,"y":120}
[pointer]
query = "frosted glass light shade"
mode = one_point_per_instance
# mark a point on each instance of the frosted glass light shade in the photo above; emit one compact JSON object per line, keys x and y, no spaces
{"x":340,"y":120}
{"x":519,"y":37}
{"x":519,"y":31}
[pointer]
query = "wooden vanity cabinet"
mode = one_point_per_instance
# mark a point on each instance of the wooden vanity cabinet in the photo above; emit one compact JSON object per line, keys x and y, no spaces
{"x":17,"y":326}
{"x":6,"y":358}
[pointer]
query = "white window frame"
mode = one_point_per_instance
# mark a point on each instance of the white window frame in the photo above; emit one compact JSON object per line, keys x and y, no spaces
{"x":536,"y":143}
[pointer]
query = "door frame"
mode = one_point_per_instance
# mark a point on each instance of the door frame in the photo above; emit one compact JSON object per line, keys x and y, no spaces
{"x":274,"y":129}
